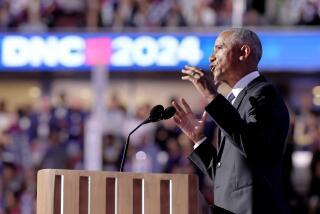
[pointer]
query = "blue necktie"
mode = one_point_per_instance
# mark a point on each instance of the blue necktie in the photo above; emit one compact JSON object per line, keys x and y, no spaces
{"x":231,"y":97}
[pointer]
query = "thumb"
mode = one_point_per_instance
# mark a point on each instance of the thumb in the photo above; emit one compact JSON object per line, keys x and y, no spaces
{"x":204,"y":116}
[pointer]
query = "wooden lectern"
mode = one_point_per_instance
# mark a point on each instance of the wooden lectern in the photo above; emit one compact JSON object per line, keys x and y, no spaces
{"x":98,"y":192}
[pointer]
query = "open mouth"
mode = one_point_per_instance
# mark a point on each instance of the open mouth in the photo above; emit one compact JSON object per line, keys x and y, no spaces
{"x":212,"y":68}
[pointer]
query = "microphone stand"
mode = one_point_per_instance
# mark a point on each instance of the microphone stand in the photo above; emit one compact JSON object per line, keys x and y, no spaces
{"x":127,"y":143}
{"x":157,"y":113}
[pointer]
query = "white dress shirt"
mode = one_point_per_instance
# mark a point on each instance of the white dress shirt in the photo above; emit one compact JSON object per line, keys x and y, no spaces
{"x":238,"y":87}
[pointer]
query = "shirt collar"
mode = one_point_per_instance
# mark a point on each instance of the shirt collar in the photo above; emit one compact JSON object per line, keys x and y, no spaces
{"x":243,"y":82}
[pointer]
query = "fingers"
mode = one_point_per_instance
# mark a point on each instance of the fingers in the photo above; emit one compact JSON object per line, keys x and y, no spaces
{"x":194,"y":70}
{"x":177,"y":120}
{"x":182,"y":110}
{"x":204,"y":116}
{"x":186,"y":106}
{"x":179,"y":110}
{"x":192,"y":73}
{"x":190,"y":78}
{"x":187,"y":71}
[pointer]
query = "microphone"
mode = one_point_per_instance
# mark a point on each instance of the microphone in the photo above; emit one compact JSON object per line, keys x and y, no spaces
{"x":168,"y":113}
{"x":157,"y":113}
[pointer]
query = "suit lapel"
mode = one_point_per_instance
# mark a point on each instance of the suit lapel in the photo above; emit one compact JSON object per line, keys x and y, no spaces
{"x":221,"y":146}
{"x":243,"y":93}
{"x":239,"y":99}
{"x":236,"y":104}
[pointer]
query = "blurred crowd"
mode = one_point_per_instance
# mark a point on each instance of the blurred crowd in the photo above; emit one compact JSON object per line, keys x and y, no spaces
{"x":44,"y":15}
{"x":52,"y":136}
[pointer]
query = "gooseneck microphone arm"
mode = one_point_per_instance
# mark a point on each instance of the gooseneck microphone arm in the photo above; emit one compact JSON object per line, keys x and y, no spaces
{"x":126,"y":145}
{"x":155,"y":115}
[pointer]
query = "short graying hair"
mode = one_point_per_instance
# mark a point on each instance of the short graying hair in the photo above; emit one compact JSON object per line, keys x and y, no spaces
{"x":245,"y":36}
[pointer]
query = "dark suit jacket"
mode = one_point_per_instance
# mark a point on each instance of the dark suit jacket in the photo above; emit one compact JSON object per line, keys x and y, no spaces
{"x":246,"y":169}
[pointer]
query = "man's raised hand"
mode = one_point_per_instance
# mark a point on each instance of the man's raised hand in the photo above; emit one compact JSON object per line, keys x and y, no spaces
{"x":186,"y":120}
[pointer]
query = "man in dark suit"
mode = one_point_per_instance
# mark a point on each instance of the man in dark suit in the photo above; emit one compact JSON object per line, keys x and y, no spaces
{"x":253,"y":123}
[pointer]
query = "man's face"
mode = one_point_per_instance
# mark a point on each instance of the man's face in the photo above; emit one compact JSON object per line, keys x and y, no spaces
{"x":223,"y":59}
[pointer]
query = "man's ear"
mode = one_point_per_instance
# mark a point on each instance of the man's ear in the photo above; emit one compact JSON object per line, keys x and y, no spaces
{"x":245,"y":52}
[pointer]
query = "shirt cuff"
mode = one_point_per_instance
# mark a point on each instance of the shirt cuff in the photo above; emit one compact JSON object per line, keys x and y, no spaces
{"x":198,"y":143}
